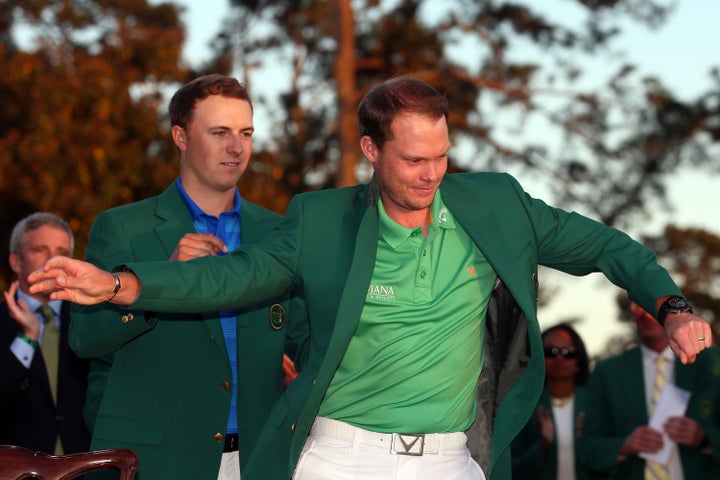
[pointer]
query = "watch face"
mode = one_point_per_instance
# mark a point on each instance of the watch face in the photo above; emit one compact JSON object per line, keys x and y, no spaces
{"x":678,"y":302}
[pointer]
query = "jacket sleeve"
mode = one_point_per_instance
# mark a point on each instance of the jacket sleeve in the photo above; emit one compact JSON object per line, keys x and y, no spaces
{"x":578,"y":245}
{"x":250,"y":274}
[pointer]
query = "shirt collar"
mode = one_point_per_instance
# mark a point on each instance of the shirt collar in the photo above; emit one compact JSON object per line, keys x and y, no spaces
{"x":650,"y":355}
{"x":34,"y":304}
{"x":395,"y":234}
{"x":195,"y":211}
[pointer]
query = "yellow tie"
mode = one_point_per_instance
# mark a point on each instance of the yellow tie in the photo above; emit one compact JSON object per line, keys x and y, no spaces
{"x":50,"y":346}
{"x":654,"y":470}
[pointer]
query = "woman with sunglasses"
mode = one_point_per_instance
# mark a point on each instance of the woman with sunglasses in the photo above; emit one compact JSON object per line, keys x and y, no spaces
{"x":545,"y":448}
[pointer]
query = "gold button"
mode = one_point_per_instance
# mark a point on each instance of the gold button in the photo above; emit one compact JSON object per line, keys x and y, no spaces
{"x":127,"y":318}
{"x":292,"y":428}
{"x":225,"y":385}
{"x":219,"y":437}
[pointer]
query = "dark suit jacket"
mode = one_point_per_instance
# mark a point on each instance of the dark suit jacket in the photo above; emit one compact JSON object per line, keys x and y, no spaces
{"x":28,"y":415}
{"x":617,"y":405}
{"x":327,"y":244}
{"x":166,"y":393}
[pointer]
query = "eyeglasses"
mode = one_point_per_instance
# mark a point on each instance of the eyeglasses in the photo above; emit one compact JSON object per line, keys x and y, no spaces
{"x":555,"y":351}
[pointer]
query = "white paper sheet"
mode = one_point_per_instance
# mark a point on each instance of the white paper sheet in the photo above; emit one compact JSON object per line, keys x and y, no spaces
{"x":673,"y":402}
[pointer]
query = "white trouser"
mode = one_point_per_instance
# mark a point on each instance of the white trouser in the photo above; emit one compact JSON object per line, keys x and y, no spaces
{"x":230,"y":466}
{"x":339,"y":451}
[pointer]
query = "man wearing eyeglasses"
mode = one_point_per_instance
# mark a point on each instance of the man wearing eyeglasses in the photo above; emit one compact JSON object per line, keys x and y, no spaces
{"x":627,"y":389}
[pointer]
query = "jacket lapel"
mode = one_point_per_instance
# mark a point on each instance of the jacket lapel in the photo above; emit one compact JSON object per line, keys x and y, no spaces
{"x":174,"y":221}
{"x":173,"y":217}
{"x":632,"y":381}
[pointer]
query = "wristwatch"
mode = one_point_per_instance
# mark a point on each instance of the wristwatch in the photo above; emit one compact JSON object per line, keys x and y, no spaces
{"x":673,"y":305}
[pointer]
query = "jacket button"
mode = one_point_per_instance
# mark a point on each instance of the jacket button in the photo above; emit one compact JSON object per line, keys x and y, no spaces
{"x":225,"y":385}
{"x":127,"y":318}
{"x":292,"y":428}
{"x":219,"y":437}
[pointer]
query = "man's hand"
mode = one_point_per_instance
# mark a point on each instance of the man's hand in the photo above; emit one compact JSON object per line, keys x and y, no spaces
{"x":642,"y":439}
{"x":684,"y":431}
{"x":687,"y":335}
{"x":81,"y":282}
{"x":194,"y":245}
{"x":20,"y":312}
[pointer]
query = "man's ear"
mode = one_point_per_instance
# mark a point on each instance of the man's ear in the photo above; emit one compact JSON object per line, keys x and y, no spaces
{"x":369,"y":148}
{"x":14,"y":260}
{"x":179,"y":136}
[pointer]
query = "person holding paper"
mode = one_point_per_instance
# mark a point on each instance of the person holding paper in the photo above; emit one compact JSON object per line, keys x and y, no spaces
{"x":651,"y":417}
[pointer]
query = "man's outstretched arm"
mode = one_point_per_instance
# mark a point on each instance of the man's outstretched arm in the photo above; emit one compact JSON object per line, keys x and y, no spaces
{"x":83,"y":283}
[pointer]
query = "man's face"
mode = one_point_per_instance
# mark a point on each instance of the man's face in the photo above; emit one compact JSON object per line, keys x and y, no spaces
{"x":216,"y":145}
{"x":40,"y":244}
{"x":411,"y":165}
{"x":648,"y":328}
{"x":561,"y":361}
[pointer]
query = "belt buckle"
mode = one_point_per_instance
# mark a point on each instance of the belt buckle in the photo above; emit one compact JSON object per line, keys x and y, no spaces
{"x":412,"y":444}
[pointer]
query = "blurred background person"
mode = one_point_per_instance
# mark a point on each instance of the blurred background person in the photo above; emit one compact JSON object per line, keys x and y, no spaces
{"x":545,"y":448}
{"x":42,"y":382}
{"x":622,"y":395}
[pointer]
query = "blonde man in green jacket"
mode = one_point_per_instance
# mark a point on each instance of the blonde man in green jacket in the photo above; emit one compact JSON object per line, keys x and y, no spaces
{"x":421,"y":288}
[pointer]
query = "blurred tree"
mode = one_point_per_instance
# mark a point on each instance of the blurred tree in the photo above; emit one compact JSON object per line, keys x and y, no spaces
{"x":509,"y":72}
{"x":81,"y":89}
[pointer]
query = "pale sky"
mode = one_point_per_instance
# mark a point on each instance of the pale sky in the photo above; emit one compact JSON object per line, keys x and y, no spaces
{"x":680,"y":53}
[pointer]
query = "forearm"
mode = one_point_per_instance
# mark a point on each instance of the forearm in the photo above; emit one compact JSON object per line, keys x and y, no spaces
{"x":208,"y":284}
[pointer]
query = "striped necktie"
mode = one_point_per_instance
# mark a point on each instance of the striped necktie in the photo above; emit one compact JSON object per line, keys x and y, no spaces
{"x":655,"y":470}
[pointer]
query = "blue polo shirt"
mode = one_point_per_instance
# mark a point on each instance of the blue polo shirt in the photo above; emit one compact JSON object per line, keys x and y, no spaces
{"x":226,"y":228}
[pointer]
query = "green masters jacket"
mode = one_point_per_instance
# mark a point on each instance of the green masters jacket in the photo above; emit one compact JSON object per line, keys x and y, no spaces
{"x":617,"y":406}
{"x":166,"y":392}
{"x":326,"y":245}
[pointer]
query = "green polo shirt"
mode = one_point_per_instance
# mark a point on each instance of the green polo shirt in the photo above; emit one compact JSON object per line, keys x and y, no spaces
{"x":413,"y":364}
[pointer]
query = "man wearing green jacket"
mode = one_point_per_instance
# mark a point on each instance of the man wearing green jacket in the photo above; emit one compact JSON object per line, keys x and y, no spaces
{"x":421,"y":292}
{"x":617,"y":434}
{"x":188,"y":392}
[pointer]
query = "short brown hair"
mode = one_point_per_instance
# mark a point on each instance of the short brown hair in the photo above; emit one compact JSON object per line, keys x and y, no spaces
{"x":183,"y":102}
{"x":403,"y":94}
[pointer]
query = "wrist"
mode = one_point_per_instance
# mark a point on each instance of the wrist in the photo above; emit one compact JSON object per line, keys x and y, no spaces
{"x":118,"y":286}
{"x":28,"y":340}
{"x":673,"y":305}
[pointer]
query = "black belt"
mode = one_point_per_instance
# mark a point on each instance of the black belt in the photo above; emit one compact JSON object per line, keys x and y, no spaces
{"x":231,"y":442}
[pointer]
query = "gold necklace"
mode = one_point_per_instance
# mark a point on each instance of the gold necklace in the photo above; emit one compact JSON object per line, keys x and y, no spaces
{"x":561,"y":402}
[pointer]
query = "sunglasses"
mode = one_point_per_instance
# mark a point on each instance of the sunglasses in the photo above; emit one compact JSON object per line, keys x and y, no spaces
{"x":555,"y":351}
